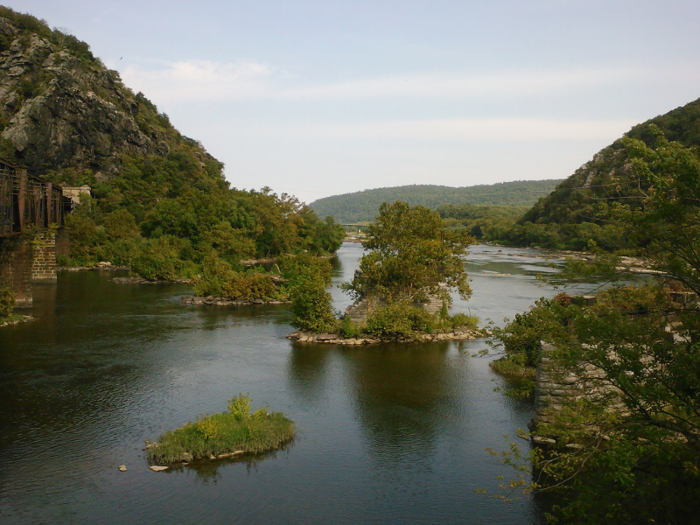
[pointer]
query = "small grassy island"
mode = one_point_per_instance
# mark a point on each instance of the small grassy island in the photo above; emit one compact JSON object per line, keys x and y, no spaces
{"x":401,"y":290}
{"x":236,"y":432}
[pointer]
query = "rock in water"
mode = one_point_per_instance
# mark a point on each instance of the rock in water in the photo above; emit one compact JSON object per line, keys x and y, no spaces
{"x":122,"y":468}
{"x":156,"y":468}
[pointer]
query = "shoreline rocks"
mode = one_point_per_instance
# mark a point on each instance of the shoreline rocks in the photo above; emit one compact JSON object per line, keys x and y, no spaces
{"x":99,"y":267}
{"x":336,"y":339}
{"x":16,"y":319}
{"x":141,"y":280}
{"x":222,"y":301}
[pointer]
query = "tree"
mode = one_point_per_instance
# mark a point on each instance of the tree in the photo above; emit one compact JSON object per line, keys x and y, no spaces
{"x":628,"y":446}
{"x":311,"y":304}
{"x":412,"y":257}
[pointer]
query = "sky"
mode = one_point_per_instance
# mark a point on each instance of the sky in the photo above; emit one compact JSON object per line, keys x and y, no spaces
{"x":318,"y":98}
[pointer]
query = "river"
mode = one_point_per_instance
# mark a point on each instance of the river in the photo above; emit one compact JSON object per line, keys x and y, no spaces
{"x":385,"y":434}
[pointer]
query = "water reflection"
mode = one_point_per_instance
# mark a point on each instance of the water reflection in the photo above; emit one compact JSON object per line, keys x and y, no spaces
{"x":401,"y":397}
{"x":308,"y":370}
{"x":385,"y":433}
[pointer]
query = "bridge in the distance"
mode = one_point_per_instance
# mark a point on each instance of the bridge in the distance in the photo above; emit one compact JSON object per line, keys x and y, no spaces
{"x":32,"y":213}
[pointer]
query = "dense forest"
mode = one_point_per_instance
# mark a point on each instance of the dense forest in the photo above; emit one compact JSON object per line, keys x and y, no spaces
{"x":159,"y":202}
{"x":364,"y":205}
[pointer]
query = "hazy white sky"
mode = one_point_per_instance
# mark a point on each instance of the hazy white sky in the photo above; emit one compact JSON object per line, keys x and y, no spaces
{"x":316,"y":98}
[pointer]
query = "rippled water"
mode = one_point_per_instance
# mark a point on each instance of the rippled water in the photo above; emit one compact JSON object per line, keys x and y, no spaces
{"x":384,"y":434}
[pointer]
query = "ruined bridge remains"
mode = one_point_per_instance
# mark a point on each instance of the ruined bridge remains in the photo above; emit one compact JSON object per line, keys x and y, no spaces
{"x":32,"y":232}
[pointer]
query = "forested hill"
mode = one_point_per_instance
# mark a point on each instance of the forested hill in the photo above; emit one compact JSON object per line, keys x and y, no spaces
{"x":364,"y":205}
{"x":160,"y":202}
{"x":580,"y":209}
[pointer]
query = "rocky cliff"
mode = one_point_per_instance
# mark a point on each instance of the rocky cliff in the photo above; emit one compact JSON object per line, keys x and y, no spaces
{"x":60,"y":107}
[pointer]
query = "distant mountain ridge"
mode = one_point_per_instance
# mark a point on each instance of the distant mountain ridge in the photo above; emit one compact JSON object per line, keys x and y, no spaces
{"x":364,"y":205}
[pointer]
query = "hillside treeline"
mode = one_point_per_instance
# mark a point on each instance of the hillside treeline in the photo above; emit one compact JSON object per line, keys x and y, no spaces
{"x":590,"y":207}
{"x":364,"y":205}
{"x":159,"y":201}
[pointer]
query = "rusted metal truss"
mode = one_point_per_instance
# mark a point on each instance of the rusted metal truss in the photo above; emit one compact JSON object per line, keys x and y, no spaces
{"x":27,"y":202}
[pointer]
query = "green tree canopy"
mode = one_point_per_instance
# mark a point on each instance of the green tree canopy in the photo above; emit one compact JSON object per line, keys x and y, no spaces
{"x":412,"y":256}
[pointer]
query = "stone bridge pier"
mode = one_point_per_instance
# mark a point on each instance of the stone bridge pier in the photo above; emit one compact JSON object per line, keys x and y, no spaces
{"x":25,"y":261}
{"x":32,"y":229}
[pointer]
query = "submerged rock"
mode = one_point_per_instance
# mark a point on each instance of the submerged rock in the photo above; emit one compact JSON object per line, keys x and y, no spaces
{"x":156,"y":468}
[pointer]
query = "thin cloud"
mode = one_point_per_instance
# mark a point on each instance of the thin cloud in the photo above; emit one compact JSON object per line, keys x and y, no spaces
{"x":472,"y":130}
{"x":188,"y":81}
{"x":199,"y":80}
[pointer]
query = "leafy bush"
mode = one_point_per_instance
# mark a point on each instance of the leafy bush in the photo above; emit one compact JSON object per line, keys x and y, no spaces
{"x":460,"y":320}
{"x":215,"y":272}
{"x":399,"y":319}
{"x":295,"y":266}
{"x":248,"y":286}
{"x":311,"y":304}
{"x":523,"y":335}
{"x":122,"y":252}
{"x":240,"y":406}
{"x":349,"y":329}
{"x":159,"y":260}
{"x":7,"y":301}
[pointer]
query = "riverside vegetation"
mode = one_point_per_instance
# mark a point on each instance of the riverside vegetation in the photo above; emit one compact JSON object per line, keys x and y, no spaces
{"x":160,"y":203}
{"x":236,"y":432}
{"x":628,"y":451}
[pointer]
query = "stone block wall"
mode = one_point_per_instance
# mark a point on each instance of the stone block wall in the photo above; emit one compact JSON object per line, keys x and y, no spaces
{"x":555,"y":387}
{"x":44,"y":258}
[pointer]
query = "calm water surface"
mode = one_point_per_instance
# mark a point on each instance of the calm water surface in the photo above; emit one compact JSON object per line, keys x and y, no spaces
{"x":385,"y":434}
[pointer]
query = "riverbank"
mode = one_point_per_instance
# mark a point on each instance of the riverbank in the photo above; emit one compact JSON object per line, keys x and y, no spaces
{"x":15,"y":319}
{"x":337,"y":339}
{"x":627,"y":263}
{"x":99,"y":267}
{"x":222,"y":301}
{"x":141,"y":280}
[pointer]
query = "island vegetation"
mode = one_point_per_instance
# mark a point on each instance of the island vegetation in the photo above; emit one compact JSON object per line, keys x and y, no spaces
{"x":412,"y":260}
{"x":626,"y":447}
{"x":235,"y":432}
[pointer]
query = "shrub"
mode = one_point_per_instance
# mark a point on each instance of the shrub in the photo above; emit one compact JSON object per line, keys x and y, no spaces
{"x":7,"y":301}
{"x":399,"y":319}
{"x":460,"y":320}
{"x":159,"y":260}
{"x":348,"y":328}
{"x":311,"y":304}
{"x":248,"y":286}
{"x":122,"y":252}
{"x":524,"y":334}
{"x":215,"y":272}
{"x":295,"y":266}
{"x":240,"y":406}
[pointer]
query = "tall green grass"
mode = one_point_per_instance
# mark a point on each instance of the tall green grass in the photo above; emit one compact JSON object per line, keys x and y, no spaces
{"x":233,"y":431}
